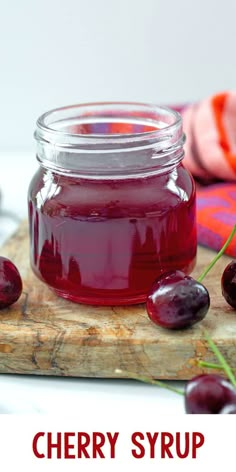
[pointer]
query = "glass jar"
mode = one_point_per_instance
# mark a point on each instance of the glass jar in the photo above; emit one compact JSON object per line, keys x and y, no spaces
{"x":111,"y":206}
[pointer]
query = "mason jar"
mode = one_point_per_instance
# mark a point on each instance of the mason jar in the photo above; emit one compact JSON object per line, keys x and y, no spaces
{"x":111,"y":206}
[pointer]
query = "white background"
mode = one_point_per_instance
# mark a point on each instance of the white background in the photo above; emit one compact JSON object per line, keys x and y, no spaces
{"x":57,"y":52}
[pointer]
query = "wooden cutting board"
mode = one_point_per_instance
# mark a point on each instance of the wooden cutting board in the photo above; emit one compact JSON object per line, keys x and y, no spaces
{"x":46,"y":335}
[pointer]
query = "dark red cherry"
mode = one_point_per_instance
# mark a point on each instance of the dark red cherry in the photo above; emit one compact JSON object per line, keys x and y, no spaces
{"x":208,"y":393}
{"x":228,"y":284}
{"x":177,"y":301}
{"x":10,"y":283}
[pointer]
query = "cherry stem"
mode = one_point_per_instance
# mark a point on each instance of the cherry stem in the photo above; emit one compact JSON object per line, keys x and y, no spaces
{"x":209,"y":267}
{"x":225,"y":366}
{"x":209,"y":365}
{"x":141,"y":378}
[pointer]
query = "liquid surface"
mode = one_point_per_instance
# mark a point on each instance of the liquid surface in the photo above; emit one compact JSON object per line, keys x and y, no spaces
{"x":105,"y":242}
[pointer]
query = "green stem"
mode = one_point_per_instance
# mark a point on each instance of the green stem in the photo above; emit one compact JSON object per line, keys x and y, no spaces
{"x":225,"y":366}
{"x":209,"y":267}
{"x":150,"y":381}
{"x":209,"y":365}
{"x":222,"y":362}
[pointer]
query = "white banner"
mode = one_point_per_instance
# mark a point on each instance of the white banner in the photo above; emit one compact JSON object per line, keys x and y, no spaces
{"x":109,"y":440}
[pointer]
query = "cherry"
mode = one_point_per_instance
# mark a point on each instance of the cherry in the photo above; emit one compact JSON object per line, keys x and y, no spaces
{"x":10,"y":283}
{"x":228,"y":284}
{"x":230,"y":408}
{"x":208,"y":393}
{"x":177,"y":301}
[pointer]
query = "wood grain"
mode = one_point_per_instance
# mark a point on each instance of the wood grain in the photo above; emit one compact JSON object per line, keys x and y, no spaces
{"x":45,"y":335}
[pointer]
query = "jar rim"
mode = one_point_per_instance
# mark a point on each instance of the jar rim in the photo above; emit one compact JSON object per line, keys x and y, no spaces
{"x":63,"y":150}
{"x":46,"y":129}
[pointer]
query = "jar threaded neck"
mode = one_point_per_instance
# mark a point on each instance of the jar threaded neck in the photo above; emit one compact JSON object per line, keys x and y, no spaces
{"x":105,"y":139}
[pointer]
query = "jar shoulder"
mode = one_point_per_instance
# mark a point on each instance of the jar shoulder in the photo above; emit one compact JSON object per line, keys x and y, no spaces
{"x":160,"y":192}
{"x":36,"y":183}
{"x":185,"y":180}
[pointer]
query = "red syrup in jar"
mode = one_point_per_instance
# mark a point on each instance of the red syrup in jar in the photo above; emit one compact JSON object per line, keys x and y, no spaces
{"x":111,"y":207}
{"x":104,"y":242}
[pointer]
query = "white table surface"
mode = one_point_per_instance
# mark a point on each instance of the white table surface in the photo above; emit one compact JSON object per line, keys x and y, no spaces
{"x":33,"y":394}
